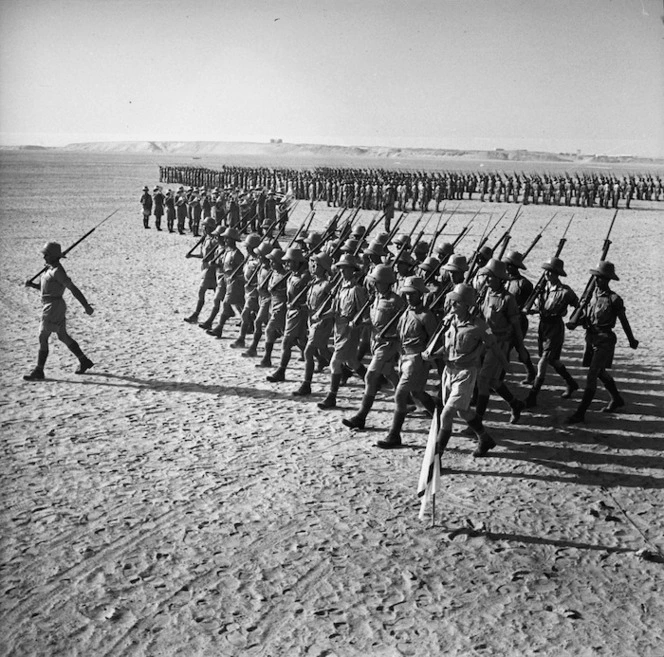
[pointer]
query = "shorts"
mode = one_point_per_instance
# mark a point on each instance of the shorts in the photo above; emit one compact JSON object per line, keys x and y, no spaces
{"x":264,"y":307}
{"x":413,"y":373}
{"x":54,"y":317}
{"x":458,"y":384}
{"x":384,"y":357}
{"x":491,"y":371}
{"x":319,"y":333}
{"x":234,"y":293}
{"x":599,"y":351}
{"x":550,"y":337}
{"x":296,"y":325}
{"x":277,"y":322}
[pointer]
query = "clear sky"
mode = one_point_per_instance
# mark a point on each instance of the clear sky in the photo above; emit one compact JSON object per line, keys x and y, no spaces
{"x":556,"y":75}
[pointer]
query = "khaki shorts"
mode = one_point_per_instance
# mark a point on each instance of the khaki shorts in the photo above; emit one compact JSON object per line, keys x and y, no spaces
{"x":458,"y":384}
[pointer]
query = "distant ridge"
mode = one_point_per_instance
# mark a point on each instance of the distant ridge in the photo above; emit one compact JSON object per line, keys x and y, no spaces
{"x":277,"y":148}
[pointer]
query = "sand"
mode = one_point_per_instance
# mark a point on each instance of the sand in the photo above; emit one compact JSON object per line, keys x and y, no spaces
{"x":173,"y":502}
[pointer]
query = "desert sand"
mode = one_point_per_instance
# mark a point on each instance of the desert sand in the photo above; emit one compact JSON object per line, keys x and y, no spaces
{"x":173,"y":502}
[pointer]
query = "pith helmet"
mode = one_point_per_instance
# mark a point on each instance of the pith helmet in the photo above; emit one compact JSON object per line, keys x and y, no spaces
{"x":264,"y":249}
{"x":495,"y":267}
{"x":400,"y":240}
{"x":405,"y":258}
{"x":209,"y":222}
{"x":556,"y":265}
{"x":53,"y":249}
{"x":252,"y":240}
{"x":383,"y":274}
{"x":313,"y":239}
{"x":444,"y":249}
{"x":375,"y":248}
{"x":486,"y":252}
{"x":350,"y":246}
{"x":231,"y":234}
{"x":456,"y":263}
{"x":421,"y":247}
{"x":294,"y":254}
{"x":359,"y":231}
{"x":276,"y":255}
{"x":414,"y":284}
{"x":324,"y":260}
{"x":605,"y":269}
{"x":463,"y":293}
{"x":430,"y":264}
{"x":515,"y":258}
{"x":348,"y":260}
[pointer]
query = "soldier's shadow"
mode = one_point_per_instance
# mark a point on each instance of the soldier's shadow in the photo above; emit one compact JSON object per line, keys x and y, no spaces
{"x":125,"y":381}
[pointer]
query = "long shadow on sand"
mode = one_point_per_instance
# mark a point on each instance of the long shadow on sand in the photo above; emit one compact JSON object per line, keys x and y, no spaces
{"x":122,"y":381}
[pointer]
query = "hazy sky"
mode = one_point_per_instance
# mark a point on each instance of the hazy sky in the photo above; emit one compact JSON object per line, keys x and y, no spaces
{"x":555,"y":75}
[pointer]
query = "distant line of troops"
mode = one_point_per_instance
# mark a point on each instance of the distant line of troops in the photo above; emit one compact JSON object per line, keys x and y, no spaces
{"x":185,"y":208}
{"x":342,"y":297}
{"x":379,"y":189}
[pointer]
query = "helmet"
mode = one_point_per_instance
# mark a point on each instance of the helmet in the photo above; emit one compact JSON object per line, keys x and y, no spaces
{"x":464,"y":293}
{"x":383,"y":274}
{"x":414,"y":284}
{"x":252,"y":240}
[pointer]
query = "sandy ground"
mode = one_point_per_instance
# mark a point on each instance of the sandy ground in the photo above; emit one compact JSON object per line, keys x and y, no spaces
{"x":173,"y":502}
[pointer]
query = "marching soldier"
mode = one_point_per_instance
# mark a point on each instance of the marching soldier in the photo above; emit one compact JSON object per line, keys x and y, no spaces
{"x":384,"y":310}
{"x":295,"y":331}
{"x":264,"y":298}
{"x":599,"y":319}
{"x":250,"y":269}
{"x":415,"y":328}
{"x":208,"y":270}
{"x":552,"y":304}
{"x":54,"y":281}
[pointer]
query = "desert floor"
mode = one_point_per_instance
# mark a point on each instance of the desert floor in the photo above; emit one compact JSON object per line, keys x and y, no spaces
{"x":173,"y":502}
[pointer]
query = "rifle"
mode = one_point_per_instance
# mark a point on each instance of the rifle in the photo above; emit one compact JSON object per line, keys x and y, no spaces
{"x":472,"y":265}
{"x":406,"y":242}
{"x":193,"y":248}
{"x":28,"y":283}
{"x":436,"y":232}
{"x":539,"y":286}
{"x":575,"y":319}
{"x":506,"y":236}
{"x":538,"y":237}
{"x":298,"y":232}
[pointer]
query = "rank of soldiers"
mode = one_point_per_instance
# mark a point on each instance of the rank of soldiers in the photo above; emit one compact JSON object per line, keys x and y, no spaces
{"x":386,"y":306}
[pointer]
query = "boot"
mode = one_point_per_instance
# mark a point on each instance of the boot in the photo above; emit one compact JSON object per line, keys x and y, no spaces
{"x":443,"y":438}
{"x":516,"y":405}
{"x":531,"y":399}
{"x":278,"y":375}
{"x":358,"y":420}
{"x":484,"y":443}
{"x":266,"y":361}
{"x":207,"y":324}
{"x":38,"y":373}
{"x":238,"y":344}
{"x":580,"y":414}
{"x":532,"y":372}
{"x":480,"y":406}
{"x":616,"y":400}
{"x":393,"y":438}
{"x":303,"y":391}
{"x":192,"y":319}
{"x":572,"y":385}
{"x":331,"y":400}
{"x":85,"y":365}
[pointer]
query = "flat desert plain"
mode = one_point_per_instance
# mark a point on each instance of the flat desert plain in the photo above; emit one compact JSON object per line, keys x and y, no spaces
{"x":173,"y":502}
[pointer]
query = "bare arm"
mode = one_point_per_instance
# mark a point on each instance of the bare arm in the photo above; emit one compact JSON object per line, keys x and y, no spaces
{"x":633,"y":342}
{"x":78,"y":295}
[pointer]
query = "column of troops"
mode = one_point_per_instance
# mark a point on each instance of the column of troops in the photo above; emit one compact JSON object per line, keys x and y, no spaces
{"x":373,"y":189}
{"x":388,"y":308}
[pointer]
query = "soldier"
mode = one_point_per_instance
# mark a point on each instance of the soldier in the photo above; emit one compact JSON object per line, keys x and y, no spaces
{"x":264,"y":298}
{"x":552,"y":303}
{"x":208,"y":269}
{"x":181,"y":209}
{"x":231,"y":264}
{"x":277,"y":287}
{"x":250,"y":270}
{"x":415,"y":328}
{"x":464,"y":338}
{"x":521,"y":288}
{"x":385,"y":308}
{"x":501,"y":313}
{"x":146,"y":206}
{"x":54,"y":281}
{"x":320,"y":327}
{"x":295,"y":331}
{"x":599,"y":319}
{"x":169,"y":203}
{"x":158,"y":211}
{"x":349,"y":300}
